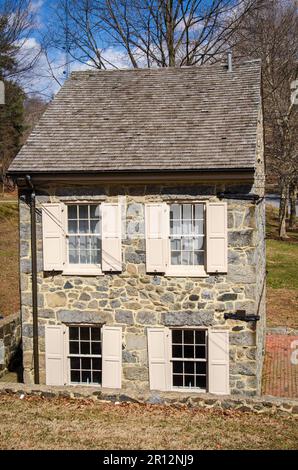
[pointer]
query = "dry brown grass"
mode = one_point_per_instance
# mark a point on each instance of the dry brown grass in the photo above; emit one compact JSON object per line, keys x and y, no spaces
{"x":35,"y":423}
{"x":9,"y":263}
{"x":282,"y":307}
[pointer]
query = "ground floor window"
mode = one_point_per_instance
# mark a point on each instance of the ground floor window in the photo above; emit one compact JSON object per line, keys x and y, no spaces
{"x":189,"y":358}
{"x":85,"y":355}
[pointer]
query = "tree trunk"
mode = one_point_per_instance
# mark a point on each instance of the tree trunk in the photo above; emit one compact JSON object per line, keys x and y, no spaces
{"x":284,"y":201}
{"x":293,"y":198}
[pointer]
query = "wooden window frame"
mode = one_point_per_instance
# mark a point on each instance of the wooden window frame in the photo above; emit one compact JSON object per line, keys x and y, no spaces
{"x":184,"y":270}
{"x":173,"y":359}
{"x":79,"y":269}
{"x":68,"y":355}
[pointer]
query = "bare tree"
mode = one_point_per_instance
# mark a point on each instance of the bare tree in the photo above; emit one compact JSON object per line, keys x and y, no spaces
{"x":148,"y":33}
{"x":270,"y":33}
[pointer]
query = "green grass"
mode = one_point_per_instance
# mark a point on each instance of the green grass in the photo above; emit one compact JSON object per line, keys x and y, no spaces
{"x":282,"y":264}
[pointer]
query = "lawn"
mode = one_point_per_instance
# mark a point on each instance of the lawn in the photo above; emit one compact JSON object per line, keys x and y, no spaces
{"x":83,"y":424}
{"x":9,"y":283}
{"x":282,"y":277}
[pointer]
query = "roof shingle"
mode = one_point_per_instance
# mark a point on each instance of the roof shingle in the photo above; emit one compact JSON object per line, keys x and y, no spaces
{"x":188,"y":118}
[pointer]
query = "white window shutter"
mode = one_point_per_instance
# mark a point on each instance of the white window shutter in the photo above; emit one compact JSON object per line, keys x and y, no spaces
{"x":217,"y":237}
{"x":218,"y":359}
{"x":111,"y":356}
{"x":111,"y":237}
{"x":55,"y":354}
{"x":159,"y":358}
{"x":53,"y":237}
{"x":156,"y":220}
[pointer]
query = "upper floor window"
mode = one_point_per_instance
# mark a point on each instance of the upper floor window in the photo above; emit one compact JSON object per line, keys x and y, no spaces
{"x":187,"y":235}
{"x":84,"y":234}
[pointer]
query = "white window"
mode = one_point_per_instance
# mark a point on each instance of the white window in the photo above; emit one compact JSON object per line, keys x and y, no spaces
{"x":192,"y":359}
{"x":82,"y":238}
{"x":84,"y":357}
{"x":189,"y":358}
{"x":83,"y":354}
{"x":186,"y":239}
{"x":84,"y":234}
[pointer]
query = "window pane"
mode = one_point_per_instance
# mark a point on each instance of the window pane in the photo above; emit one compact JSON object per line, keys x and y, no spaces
{"x":85,"y":257}
{"x":186,"y":211}
{"x":84,"y":243}
{"x":177,"y":351}
{"x":199,"y":243}
{"x":83,"y":212}
{"x":199,"y":211}
{"x":75,"y":363}
{"x":175,"y":244}
{"x":175,"y":227}
{"x":72,"y":212}
{"x":178,"y":380}
{"x":75,"y":376}
{"x":186,"y":258}
{"x":72,"y":226}
{"x":201,"y":382}
{"x":85,"y":333}
{"x":177,"y":336}
{"x":189,"y":336}
{"x":200,"y":337}
{"x":73,"y":243}
{"x":199,"y":227}
{"x":95,"y":258}
{"x":74,"y":347}
{"x":189,"y":367}
{"x":199,"y":258}
{"x":200,"y":352}
{"x":95,"y":334}
{"x":96,"y":348}
{"x":96,"y":363}
{"x":85,"y":348}
{"x":175,"y":211}
{"x":175,"y":257}
{"x":83,"y":226}
{"x":178,"y":367}
{"x":86,"y":363}
{"x":187,"y":227}
{"x":189,"y":351}
{"x":73,"y":332}
{"x":94,"y":211}
{"x":96,"y":377}
{"x":189,"y":381}
{"x":201,"y":367}
{"x":95,"y":243}
{"x":86,"y":376}
{"x":73,"y":257}
{"x":94,"y":226}
{"x":187,"y":244}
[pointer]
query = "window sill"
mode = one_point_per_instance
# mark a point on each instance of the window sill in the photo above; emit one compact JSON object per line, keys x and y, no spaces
{"x":188,"y":390}
{"x":77,"y":271}
{"x":174,"y":272}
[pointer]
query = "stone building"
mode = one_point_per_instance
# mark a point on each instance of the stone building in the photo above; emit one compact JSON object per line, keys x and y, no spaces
{"x":142,"y":254}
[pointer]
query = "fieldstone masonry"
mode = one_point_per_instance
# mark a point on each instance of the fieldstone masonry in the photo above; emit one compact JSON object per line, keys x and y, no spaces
{"x":135,"y":300}
{"x":10,"y":337}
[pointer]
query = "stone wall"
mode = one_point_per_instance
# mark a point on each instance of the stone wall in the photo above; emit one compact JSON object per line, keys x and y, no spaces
{"x":261,"y":405}
{"x":10,"y":337}
{"x":135,"y":300}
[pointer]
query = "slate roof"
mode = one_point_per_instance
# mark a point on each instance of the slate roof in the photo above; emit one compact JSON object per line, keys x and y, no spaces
{"x":192,"y":118}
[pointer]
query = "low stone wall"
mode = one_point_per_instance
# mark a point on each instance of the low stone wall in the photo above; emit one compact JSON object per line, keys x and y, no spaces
{"x":10,"y":337}
{"x":265,"y":404}
{"x":282,"y":330}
